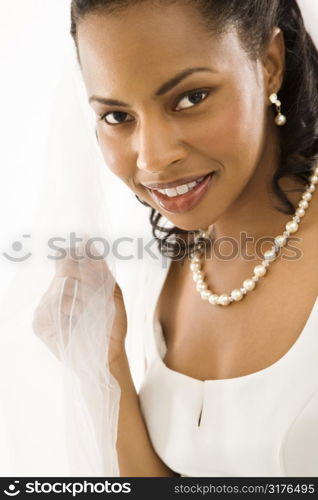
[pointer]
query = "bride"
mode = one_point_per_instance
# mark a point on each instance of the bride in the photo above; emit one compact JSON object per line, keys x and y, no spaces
{"x":207,"y":111}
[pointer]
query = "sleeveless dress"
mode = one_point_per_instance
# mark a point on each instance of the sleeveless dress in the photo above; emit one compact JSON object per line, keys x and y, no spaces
{"x":264,"y":424}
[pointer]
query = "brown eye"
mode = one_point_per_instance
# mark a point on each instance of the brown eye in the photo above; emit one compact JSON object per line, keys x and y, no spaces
{"x":115,"y":117}
{"x":192,"y":99}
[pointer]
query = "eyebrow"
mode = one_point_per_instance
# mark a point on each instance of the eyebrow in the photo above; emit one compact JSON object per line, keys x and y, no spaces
{"x":163,"y":89}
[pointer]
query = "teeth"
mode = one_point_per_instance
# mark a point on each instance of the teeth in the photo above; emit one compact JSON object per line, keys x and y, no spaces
{"x":170,"y":192}
{"x":179,"y":190}
{"x":182,"y":189}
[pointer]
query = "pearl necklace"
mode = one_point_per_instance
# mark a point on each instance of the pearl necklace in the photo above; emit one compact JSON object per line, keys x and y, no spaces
{"x":268,"y":257}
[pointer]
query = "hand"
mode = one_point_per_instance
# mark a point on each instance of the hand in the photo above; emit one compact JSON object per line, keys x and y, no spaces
{"x":82,"y":296}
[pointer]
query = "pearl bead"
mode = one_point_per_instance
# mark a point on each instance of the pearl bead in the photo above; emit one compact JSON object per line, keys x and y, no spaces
{"x":224,"y":300}
{"x":249,"y":285}
{"x":307,"y":196}
{"x":200,"y":281}
{"x":243,"y":290}
{"x":196,"y":259}
{"x":205,"y":294}
{"x":311,"y":188}
{"x":314,"y":179}
{"x":303,"y":204}
{"x":201,"y":287}
{"x":213,"y":299}
{"x":265,"y":263}
{"x":280,"y":240}
{"x":300,"y":212}
{"x":259,"y":270}
{"x":270,"y":254}
{"x":197,"y":276}
{"x":316,"y":170}
{"x":273,"y":98}
{"x":280,"y":120}
{"x":236,"y":295}
{"x":292,"y":226}
{"x":194,"y":266}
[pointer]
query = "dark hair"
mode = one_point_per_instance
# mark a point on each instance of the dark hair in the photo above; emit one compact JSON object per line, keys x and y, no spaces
{"x":255,"y":21}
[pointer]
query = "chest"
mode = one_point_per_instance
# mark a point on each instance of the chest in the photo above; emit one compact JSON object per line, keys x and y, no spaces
{"x":212,"y":342}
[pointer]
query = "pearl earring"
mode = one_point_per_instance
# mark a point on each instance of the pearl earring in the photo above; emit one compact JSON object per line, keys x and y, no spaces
{"x":280,"y":119}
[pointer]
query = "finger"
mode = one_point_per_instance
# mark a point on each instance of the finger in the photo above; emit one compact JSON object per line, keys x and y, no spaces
{"x":93,"y":272}
{"x":62,"y":286}
{"x":60,"y":302}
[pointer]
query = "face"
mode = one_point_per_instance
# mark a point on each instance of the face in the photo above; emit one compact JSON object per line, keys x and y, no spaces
{"x":174,"y":103}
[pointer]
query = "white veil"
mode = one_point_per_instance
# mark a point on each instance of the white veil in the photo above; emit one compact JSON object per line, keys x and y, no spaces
{"x":58,"y":402}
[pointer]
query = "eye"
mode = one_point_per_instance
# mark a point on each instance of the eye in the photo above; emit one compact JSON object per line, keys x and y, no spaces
{"x":192,"y":99}
{"x":115,"y":117}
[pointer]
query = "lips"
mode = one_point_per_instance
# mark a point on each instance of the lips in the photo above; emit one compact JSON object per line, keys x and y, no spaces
{"x":183,"y":202}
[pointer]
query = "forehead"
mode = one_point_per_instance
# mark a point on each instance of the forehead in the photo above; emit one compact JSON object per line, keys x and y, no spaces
{"x":151,"y":42}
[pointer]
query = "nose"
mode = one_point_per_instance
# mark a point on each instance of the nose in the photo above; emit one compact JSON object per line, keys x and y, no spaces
{"x":158,"y":145}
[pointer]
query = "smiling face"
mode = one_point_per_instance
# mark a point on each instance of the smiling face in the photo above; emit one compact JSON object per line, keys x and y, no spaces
{"x":175,"y":103}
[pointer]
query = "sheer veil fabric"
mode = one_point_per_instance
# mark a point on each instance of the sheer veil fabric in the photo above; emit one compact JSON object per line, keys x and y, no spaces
{"x":59,"y":403}
{"x":71,"y":315}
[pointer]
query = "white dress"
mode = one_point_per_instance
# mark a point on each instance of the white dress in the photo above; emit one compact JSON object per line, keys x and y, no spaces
{"x":261,"y":424}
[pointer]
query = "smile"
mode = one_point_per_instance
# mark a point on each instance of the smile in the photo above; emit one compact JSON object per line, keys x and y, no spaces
{"x":184,"y":197}
{"x":179,"y":190}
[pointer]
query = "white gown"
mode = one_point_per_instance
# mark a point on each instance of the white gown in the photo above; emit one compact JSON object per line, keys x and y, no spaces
{"x":261,"y":424}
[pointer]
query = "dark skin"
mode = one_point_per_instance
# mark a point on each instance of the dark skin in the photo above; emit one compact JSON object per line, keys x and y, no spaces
{"x":127,"y":56}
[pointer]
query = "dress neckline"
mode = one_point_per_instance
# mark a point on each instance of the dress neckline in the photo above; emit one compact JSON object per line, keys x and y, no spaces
{"x":157,"y":331}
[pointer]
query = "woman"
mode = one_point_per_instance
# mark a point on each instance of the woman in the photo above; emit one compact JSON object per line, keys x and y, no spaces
{"x":207,"y":111}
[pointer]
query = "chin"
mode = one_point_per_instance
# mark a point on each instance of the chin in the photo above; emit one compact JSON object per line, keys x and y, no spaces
{"x":190,"y":225}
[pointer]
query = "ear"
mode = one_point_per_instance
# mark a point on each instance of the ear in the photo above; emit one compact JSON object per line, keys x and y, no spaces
{"x":273,"y":61}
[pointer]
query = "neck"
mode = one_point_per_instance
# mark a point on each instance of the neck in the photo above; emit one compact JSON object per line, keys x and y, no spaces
{"x":254,"y":214}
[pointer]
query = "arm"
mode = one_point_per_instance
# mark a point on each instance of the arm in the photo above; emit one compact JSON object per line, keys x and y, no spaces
{"x":136,"y":456}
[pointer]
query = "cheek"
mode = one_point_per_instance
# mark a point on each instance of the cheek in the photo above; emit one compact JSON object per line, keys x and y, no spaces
{"x":233,"y":135}
{"x":116,"y":157}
